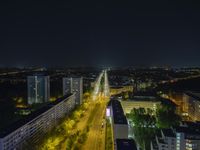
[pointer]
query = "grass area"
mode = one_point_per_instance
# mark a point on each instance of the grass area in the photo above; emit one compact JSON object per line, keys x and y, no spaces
{"x":108,"y":138}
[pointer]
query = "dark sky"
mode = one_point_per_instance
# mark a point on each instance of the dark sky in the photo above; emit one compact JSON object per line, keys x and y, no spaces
{"x":117,"y":33}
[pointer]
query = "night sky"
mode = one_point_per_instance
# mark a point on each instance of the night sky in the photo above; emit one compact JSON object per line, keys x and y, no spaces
{"x":117,"y":33}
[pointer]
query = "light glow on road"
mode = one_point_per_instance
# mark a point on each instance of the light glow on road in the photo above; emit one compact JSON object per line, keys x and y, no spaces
{"x":97,"y":86}
{"x":106,"y":85}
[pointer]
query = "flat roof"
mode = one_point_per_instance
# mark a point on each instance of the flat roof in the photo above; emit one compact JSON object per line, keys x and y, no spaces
{"x":39,"y":74}
{"x":188,"y":130}
{"x":194,"y":95}
{"x":168,"y":132}
{"x":126,"y":144}
{"x":145,"y":93}
{"x":191,"y":131}
{"x":116,"y":87}
{"x":143,"y":99}
{"x":118,"y":113}
{"x":15,"y":125}
{"x":193,"y":125}
{"x":154,"y":144}
{"x":73,"y":77}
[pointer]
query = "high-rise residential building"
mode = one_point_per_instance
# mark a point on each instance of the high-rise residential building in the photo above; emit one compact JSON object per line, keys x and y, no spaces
{"x":38,"y":89}
{"x":74,"y":85}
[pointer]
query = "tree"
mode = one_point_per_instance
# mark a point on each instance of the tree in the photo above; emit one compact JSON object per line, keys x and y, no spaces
{"x":69,"y":144}
{"x":167,"y":117}
{"x":144,"y":126}
{"x":7,"y":111}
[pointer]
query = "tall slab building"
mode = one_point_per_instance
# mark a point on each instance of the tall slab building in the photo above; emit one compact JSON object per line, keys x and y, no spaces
{"x":74,"y":85}
{"x":38,"y":89}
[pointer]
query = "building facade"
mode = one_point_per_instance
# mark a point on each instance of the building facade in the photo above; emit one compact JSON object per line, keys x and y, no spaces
{"x":192,"y":105}
{"x":119,"y":89}
{"x":118,"y":120}
{"x":125,"y":144}
{"x":184,"y":137}
{"x":187,"y":139}
{"x":131,"y":104}
{"x":166,"y":140}
{"x":30,"y":129}
{"x":38,"y":89}
{"x":74,"y":85}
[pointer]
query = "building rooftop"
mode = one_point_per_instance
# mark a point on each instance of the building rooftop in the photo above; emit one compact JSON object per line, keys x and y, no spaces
{"x":109,"y":104}
{"x":187,"y":130}
{"x":126,"y":144}
{"x":168,"y":133}
{"x":150,"y":94}
{"x":116,"y":87}
{"x":191,"y":132}
{"x":39,"y":74}
{"x":154,"y":144}
{"x":118,"y":113}
{"x":195,"y":95}
{"x":143,"y":99}
{"x":14,"y":126}
{"x":193,"y":125}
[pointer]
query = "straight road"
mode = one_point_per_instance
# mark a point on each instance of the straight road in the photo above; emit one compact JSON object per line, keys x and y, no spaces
{"x":96,"y":135}
{"x":82,"y":124}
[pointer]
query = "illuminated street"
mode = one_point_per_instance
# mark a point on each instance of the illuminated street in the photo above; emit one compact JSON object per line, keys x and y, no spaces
{"x":97,"y":86}
{"x":94,"y":116}
{"x":82,"y":124}
{"x":106,"y":85}
{"x":96,"y":136}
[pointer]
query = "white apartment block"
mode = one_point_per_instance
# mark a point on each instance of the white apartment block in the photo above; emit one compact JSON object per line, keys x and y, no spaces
{"x":36,"y":124}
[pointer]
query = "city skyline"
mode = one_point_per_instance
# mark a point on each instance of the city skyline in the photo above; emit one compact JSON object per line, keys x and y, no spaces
{"x":90,"y":109}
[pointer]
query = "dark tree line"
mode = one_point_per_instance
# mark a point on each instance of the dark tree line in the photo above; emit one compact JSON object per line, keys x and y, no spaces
{"x":7,"y":111}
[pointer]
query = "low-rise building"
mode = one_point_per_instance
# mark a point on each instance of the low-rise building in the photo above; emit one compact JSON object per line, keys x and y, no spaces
{"x":119,"y":89}
{"x":188,"y":137}
{"x":166,"y":140}
{"x":128,"y":105}
{"x":184,"y":137}
{"x":125,"y":144}
{"x":119,"y":121}
{"x":192,"y":105}
{"x":141,"y":99}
